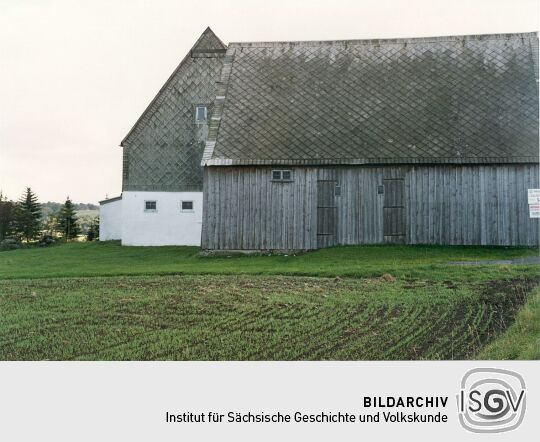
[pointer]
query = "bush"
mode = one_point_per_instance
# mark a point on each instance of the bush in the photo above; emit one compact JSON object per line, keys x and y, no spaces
{"x":93,"y":230}
{"x":10,"y":244}
{"x":46,"y":240}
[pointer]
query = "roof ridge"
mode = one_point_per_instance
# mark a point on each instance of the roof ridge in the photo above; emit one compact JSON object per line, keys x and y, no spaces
{"x":483,"y":37}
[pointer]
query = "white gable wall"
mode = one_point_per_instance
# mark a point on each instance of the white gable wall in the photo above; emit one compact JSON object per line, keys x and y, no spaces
{"x":168,"y":225}
{"x":110,"y":220}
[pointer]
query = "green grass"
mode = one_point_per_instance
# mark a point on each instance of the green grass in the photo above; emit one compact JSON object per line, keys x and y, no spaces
{"x":103,"y":301}
{"x":522,"y":339}
{"x":251,"y":318}
{"x":110,"y":259}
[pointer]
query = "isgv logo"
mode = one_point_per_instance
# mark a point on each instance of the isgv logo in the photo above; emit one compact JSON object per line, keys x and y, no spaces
{"x":491,"y":400}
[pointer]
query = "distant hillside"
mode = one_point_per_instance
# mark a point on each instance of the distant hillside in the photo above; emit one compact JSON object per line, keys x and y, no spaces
{"x":86,"y":212}
{"x":51,"y":206}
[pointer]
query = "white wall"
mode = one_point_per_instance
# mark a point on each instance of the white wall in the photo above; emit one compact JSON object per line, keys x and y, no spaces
{"x":110,"y":220}
{"x":168,"y":225}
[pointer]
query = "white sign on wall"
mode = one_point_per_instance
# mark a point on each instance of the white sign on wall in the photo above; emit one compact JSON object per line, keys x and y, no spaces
{"x":534,"y":210}
{"x":534,"y":196}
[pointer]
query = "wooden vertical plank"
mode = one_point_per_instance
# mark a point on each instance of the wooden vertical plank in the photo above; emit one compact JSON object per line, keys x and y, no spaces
{"x":215,"y":216}
{"x":222,"y":204}
{"x":261,"y":225}
{"x":494,"y":221}
{"x":503,"y":209}
{"x":297,"y":211}
{"x":204,"y":229}
{"x":239,"y":231}
{"x":271,"y":216}
{"x":444,"y":207}
{"x":523,"y":212}
{"x":358,"y":196}
{"x":458,"y":216}
{"x":250,"y":215}
{"x":437,"y":201}
{"x":513,"y":206}
{"x":478,"y":208}
{"x":312,"y":202}
{"x":483,"y":206}
{"x":418,"y":201}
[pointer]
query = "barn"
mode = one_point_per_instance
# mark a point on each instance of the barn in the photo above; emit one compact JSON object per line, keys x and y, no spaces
{"x":410,"y":141}
{"x":303,"y":145}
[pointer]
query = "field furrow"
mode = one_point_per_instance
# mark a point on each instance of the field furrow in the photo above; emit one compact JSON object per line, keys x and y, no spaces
{"x":204,"y":317}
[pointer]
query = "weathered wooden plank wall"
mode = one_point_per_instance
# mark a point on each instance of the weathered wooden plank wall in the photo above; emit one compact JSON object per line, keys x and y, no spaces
{"x":245,"y":210}
{"x":485,"y":205}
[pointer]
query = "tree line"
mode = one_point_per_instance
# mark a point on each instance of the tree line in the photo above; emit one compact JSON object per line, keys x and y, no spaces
{"x":23,"y":220}
{"x":55,"y":207}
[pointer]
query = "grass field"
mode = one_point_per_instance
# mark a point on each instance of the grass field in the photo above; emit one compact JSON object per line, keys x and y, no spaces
{"x":104,"y":301}
{"x":522,"y":339}
{"x":110,"y":259}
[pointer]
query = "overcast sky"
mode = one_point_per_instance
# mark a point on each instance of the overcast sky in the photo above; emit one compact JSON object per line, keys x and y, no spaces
{"x":75,"y":75}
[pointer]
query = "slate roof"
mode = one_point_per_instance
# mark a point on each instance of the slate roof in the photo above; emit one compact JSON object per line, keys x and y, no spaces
{"x":458,"y":99}
{"x":163,"y":150}
{"x":206,"y":45}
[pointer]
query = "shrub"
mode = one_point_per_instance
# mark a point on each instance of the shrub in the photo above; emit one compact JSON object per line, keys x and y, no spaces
{"x":10,"y":244}
{"x":46,"y":240}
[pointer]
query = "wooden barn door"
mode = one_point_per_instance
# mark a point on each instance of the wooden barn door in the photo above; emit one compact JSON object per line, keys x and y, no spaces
{"x":326,"y":209}
{"x":394,"y":210}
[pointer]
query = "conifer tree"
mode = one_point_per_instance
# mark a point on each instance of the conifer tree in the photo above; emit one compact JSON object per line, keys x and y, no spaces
{"x":67,"y":221}
{"x":27,"y":222}
{"x":93,"y":230}
{"x":7,"y":214}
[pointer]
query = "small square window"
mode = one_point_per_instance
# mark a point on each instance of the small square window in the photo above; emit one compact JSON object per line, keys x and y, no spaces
{"x":282,"y":175}
{"x":187,"y":206}
{"x":200,"y":114}
{"x":150,"y":206}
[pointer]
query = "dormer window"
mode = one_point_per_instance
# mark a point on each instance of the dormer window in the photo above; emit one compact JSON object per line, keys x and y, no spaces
{"x":200,"y":114}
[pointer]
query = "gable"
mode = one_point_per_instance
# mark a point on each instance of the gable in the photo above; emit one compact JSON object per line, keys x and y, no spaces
{"x":163,"y":151}
{"x":469,"y":99}
{"x":207,"y":43}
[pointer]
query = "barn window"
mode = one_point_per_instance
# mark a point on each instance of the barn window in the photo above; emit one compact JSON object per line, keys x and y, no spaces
{"x":150,"y":206}
{"x":200,"y":114}
{"x":282,"y":175}
{"x":187,"y":206}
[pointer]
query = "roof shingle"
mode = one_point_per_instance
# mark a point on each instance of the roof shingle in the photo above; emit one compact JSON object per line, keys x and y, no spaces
{"x":467,"y":99}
